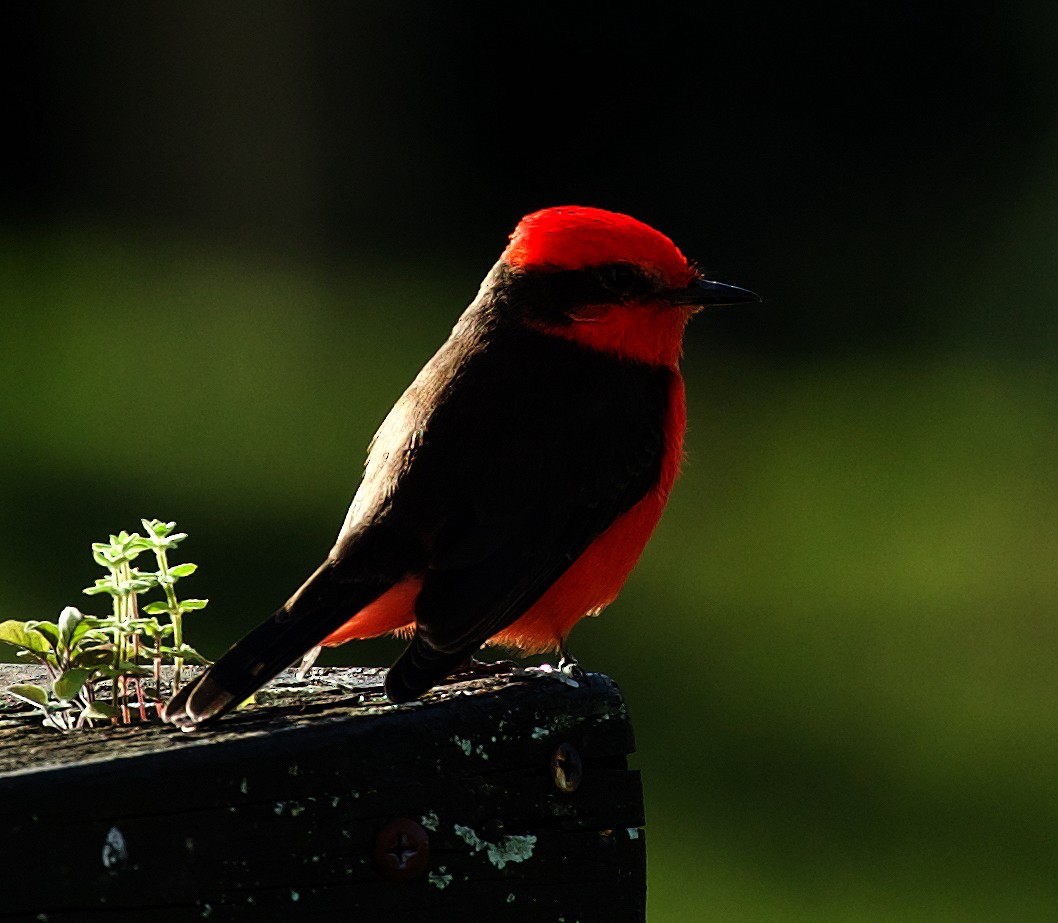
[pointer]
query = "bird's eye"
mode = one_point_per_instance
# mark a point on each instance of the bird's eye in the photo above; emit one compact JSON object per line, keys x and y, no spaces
{"x":623,"y":279}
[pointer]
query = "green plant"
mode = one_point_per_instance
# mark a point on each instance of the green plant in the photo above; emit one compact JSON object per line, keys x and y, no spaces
{"x":81,"y":652}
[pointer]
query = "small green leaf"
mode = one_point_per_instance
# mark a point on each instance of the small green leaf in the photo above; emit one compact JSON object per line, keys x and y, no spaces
{"x":28,"y":692}
{"x":190,"y":605}
{"x":102,"y":585}
{"x":49,"y":629}
{"x":93,"y":657}
{"x":140,"y":624}
{"x":106,"y":555}
{"x":187,"y":653}
{"x":83,"y":628}
{"x":15,"y":633}
{"x":99,"y":711}
{"x":70,"y":683}
{"x":152,"y":628}
{"x":183,"y":570}
{"x":69,"y":619}
{"x":157,"y":608}
{"x":157,"y":528}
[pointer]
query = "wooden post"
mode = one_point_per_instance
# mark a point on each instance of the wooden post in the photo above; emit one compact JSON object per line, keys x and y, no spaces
{"x":506,"y":798}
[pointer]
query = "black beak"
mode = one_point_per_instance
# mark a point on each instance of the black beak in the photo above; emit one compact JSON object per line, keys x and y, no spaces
{"x":712,"y":294}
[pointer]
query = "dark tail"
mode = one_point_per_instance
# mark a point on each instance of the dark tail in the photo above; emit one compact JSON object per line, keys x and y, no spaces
{"x":421,"y":667}
{"x":322,"y":605}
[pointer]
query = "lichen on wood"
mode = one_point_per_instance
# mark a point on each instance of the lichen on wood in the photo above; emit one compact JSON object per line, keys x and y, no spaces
{"x":280,"y":807}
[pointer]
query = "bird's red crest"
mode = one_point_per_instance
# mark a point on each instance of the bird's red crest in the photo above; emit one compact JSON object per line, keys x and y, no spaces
{"x":573,"y":237}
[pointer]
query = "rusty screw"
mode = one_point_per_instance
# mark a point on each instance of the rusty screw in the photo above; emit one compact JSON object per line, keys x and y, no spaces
{"x":402,"y":850}
{"x":566,"y":768}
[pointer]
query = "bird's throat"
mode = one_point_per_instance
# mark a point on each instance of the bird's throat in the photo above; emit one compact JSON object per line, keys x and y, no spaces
{"x":643,"y":333}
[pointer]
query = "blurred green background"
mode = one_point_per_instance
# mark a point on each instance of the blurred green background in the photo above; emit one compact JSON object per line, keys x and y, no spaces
{"x":233,"y":232}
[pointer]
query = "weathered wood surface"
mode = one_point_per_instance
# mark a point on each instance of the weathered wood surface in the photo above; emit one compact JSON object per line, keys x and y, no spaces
{"x":285,"y":810}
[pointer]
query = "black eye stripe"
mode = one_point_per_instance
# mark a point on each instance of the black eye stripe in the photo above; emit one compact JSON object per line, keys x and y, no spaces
{"x":544,"y":293}
{"x":624,"y":279}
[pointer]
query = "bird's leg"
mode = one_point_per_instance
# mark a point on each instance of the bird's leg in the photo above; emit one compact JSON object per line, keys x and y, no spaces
{"x":569,"y":665}
{"x":308,"y":660}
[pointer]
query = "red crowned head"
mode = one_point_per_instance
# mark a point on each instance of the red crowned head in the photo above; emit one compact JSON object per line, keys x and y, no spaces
{"x":576,"y":237}
{"x":606,"y":281}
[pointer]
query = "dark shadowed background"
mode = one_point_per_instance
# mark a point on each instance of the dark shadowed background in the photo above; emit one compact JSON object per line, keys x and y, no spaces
{"x":231,"y":233}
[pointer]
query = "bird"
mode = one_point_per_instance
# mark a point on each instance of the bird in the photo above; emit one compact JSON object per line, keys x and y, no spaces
{"x":513,"y":486}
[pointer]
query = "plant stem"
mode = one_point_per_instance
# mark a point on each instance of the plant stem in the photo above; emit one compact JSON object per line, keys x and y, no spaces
{"x":158,"y":671}
{"x":115,"y":574}
{"x":126,"y":614}
{"x":175,"y":616}
{"x":136,"y":680}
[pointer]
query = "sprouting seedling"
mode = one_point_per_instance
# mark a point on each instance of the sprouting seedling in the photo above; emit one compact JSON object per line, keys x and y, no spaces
{"x":80,"y":650}
{"x":74,"y":651}
{"x":160,"y":538}
{"x":122,"y":584}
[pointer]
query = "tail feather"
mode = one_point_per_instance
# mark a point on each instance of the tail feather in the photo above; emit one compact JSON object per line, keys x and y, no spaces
{"x":420,"y":668}
{"x":315,"y":611}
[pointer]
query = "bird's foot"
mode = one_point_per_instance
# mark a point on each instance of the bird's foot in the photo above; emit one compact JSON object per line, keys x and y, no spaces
{"x":568,"y":670}
{"x":545,"y":669}
{"x":569,"y":665}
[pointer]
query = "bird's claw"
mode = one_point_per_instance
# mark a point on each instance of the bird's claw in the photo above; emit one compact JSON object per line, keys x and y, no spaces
{"x":568,"y":671}
{"x":568,"y":666}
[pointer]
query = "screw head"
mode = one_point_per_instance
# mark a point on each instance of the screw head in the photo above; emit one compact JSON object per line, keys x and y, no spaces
{"x":566,"y":768}
{"x":402,"y":850}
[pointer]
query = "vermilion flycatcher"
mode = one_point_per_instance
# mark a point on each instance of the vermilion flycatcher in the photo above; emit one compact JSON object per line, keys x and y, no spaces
{"x":512,"y":488}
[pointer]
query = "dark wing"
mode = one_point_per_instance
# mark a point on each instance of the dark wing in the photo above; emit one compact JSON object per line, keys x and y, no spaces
{"x":534,"y":447}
